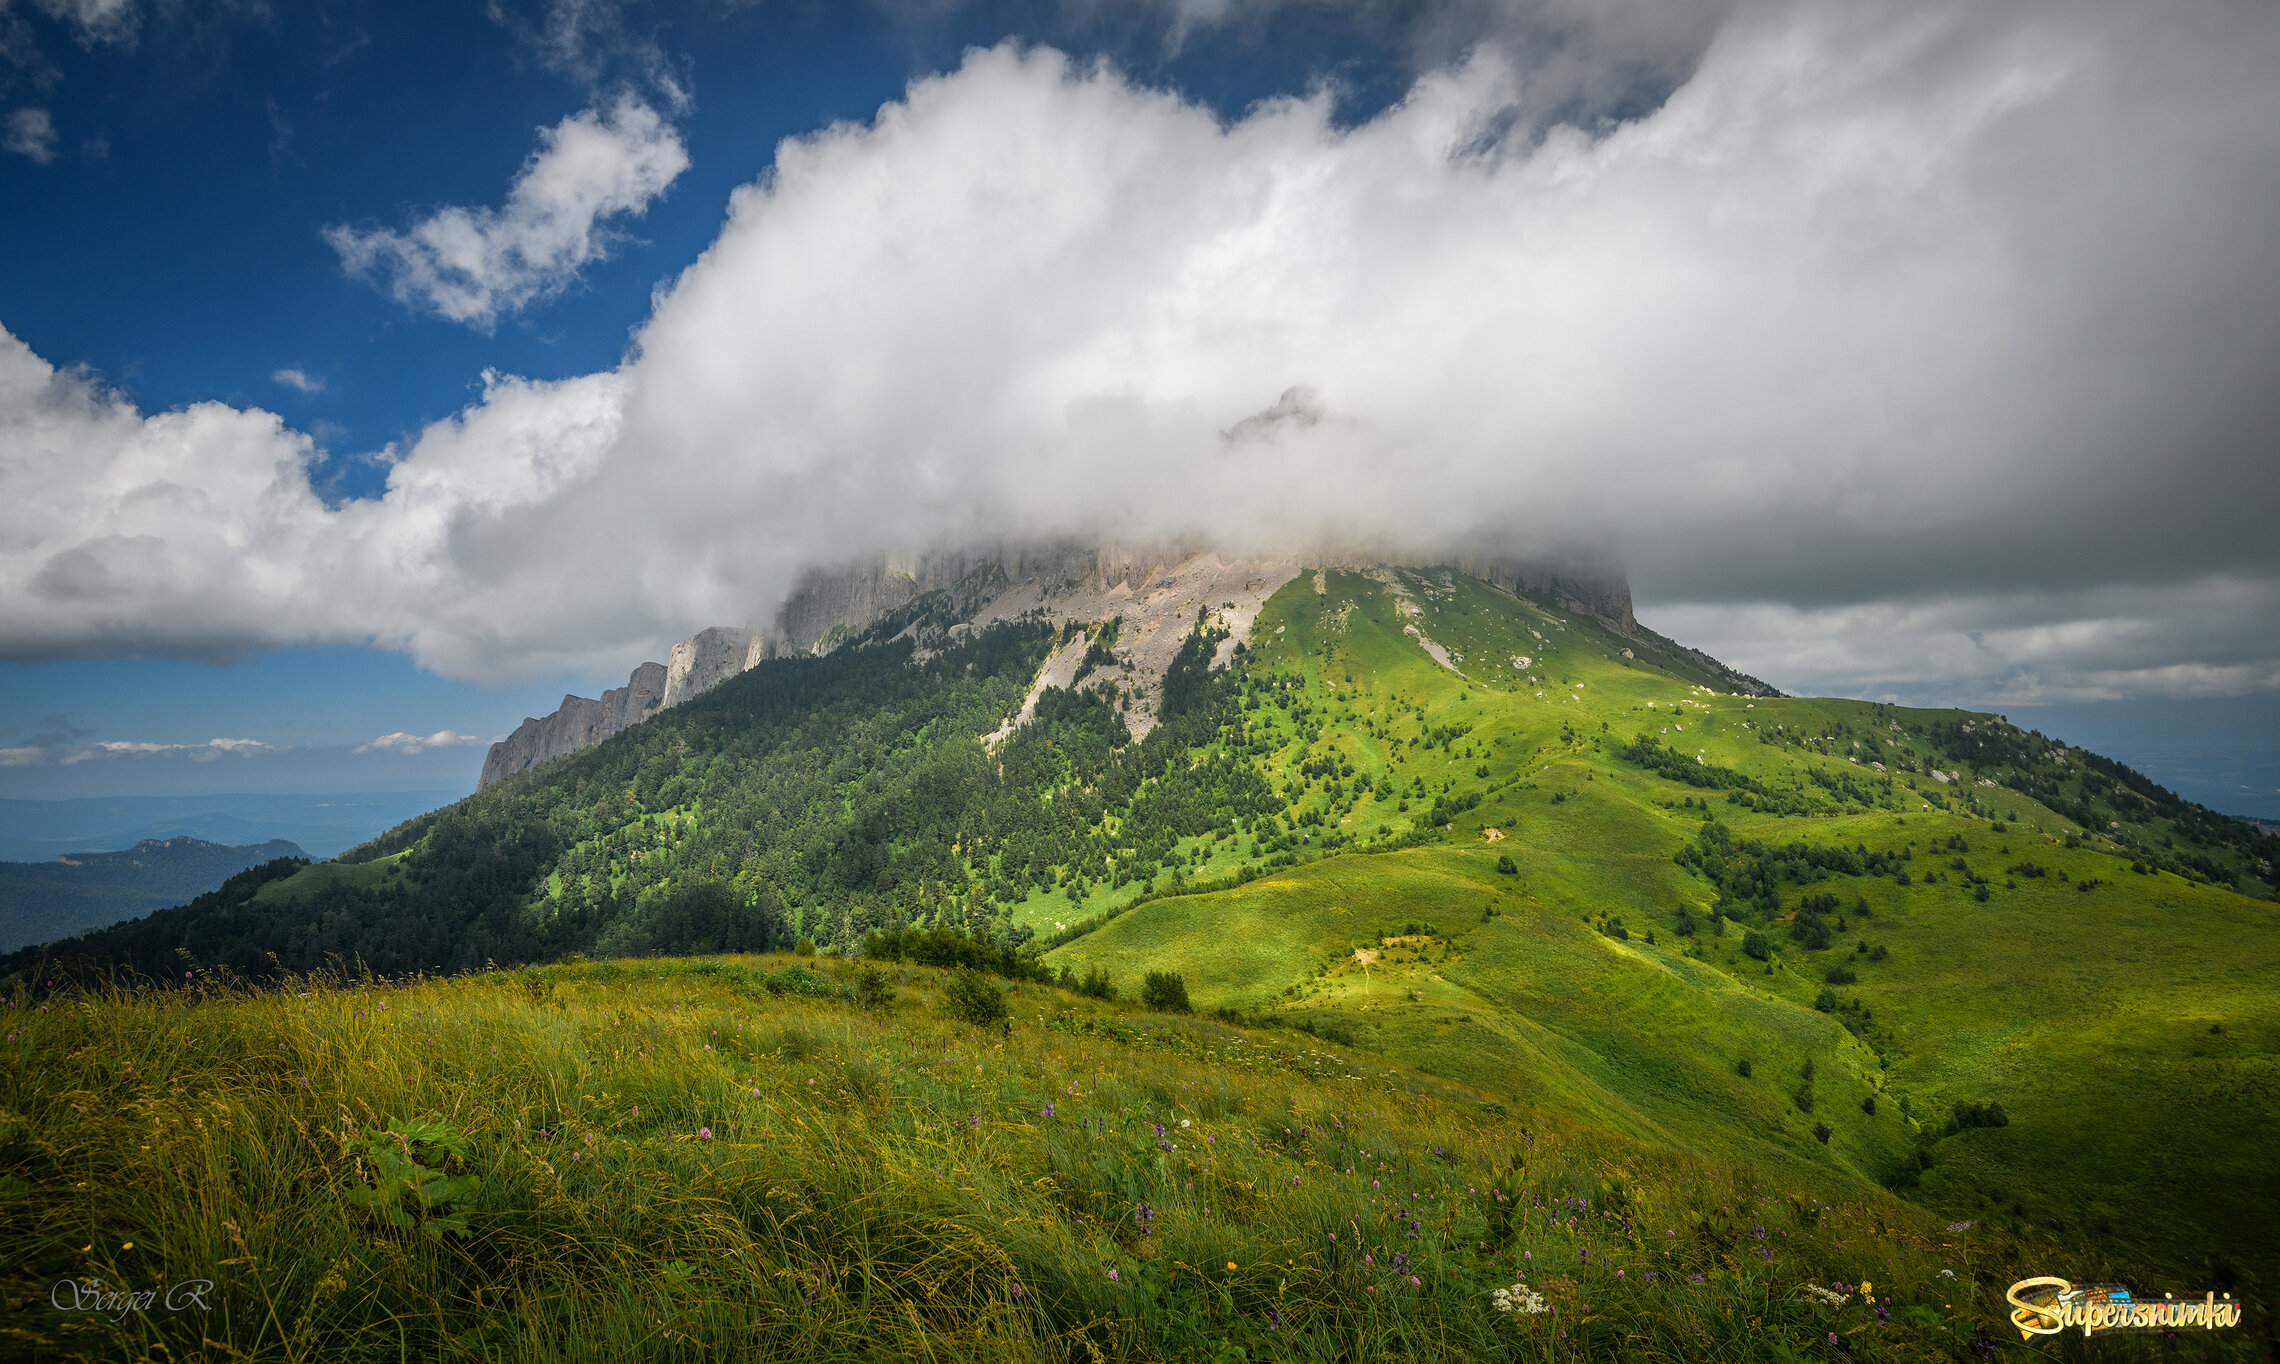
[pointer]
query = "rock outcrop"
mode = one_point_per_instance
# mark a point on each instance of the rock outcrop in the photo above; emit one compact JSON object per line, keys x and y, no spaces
{"x":579,"y":723}
{"x":1154,"y":589}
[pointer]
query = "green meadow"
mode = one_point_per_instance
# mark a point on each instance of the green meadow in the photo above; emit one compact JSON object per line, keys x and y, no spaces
{"x":2126,"y":1021}
{"x":772,"y":1158}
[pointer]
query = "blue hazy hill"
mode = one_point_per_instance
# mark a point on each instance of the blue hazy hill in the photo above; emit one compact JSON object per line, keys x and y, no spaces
{"x":323,"y":825}
{"x":43,"y":901}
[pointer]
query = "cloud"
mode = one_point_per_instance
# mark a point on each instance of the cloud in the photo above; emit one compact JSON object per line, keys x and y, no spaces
{"x":31,"y":132}
{"x":1995,"y":648}
{"x":591,"y":41}
{"x":98,"y":21}
{"x":1890,"y":326}
{"x":205,"y":752}
{"x":410,"y":744}
{"x":471,"y":265}
{"x":299,"y":380}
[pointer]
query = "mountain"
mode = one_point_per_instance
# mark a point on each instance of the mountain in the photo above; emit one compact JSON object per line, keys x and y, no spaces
{"x":324,"y":825}
{"x":1154,"y":589}
{"x":42,"y":901}
{"x":1466,"y":827}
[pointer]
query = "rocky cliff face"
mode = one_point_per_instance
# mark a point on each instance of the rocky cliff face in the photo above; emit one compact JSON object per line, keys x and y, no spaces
{"x":579,"y":723}
{"x":1155,"y":589}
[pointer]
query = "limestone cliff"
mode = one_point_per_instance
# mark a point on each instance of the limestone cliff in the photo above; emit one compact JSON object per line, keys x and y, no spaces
{"x":1152,"y":590}
{"x":578,"y":723}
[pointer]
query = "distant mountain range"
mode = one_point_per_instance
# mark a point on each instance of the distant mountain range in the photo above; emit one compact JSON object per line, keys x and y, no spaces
{"x":324,"y":825}
{"x":43,"y":901}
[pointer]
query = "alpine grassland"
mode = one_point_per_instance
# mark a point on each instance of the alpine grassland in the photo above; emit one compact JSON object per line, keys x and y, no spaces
{"x":804,"y":1158}
{"x":1444,"y":974}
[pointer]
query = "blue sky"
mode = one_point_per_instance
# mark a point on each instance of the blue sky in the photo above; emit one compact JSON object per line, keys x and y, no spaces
{"x":1922,"y":425}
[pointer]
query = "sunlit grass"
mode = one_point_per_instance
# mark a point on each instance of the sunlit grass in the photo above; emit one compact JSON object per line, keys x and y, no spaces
{"x":676,"y":1163}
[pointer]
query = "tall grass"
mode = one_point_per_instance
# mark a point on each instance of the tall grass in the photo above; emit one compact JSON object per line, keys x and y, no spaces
{"x":677,"y":1162}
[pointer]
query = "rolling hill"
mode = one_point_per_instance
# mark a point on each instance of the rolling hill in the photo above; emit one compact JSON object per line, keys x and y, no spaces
{"x":42,"y":901}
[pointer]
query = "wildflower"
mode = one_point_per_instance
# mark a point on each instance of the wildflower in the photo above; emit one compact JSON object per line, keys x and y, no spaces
{"x":1112,"y":1276}
{"x":1230,"y":1264}
{"x":1832,"y":1337}
{"x":704,"y":1133}
{"x":1017,"y":1290}
{"x":1864,"y":1287}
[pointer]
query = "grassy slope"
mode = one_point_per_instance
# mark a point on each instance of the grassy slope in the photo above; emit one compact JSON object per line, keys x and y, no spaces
{"x":677,"y":1163}
{"x":2087,"y":1015}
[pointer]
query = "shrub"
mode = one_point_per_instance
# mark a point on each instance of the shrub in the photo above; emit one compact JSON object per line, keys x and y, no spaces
{"x":973,"y":998}
{"x":1821,"y":1133}
{"x":1810,"y":929}
{"x":1505,"y":866}
{"x":1868,"y":1105}
{"x":1968,"y":1115}
{"x":1165,"y":992}
{"x":1755,"y":945}
{"x":1096,"y":985}
{"x":1742,"y":1067}
{"x":872,"y":990}
{"x":1838,"y":975}
{"x":1877,"y":953}
{"x":1826,"y":1001}
{"x":805,"y":947}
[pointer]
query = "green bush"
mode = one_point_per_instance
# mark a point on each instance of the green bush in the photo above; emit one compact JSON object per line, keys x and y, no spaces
{"x":872,"y":990}
{"x":1096,"y":984}
{"x":1826,"y":1001}
{"x":1742,"y":1067}
{"x":1755,"y":945}
{"x":1968,"y":1115}
{"x":1165,"y":992}
{"x":974,"y":998}
{"x":1506,"y":866}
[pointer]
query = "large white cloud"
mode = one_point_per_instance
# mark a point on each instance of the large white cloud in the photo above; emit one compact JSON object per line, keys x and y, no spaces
{"x":1919,"y":312}
{"x":472,"y":264}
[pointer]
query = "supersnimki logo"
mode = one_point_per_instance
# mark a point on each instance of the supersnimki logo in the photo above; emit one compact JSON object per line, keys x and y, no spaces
{"x":2045,"y":1306}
